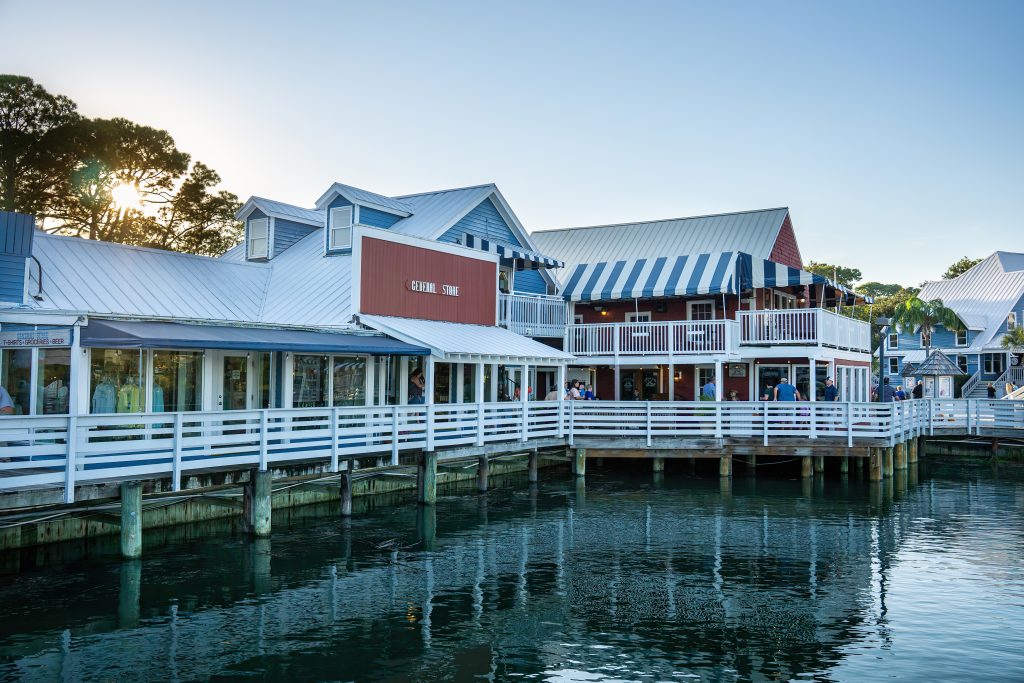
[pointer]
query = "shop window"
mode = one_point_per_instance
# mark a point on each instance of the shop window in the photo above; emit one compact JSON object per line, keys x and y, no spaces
{"x":177,"y":381}
{"x":469,"y":383}
{"x":54,"y":377}
{"x":116,"y":381}
{"x":265,"y":380}
{"x":16,"y":378}
{"x":309,"y":382}
{"x":349,"y":381}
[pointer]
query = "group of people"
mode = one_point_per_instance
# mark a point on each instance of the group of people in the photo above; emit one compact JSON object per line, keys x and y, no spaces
{"x":890,"y":394}
{"x":574,"y":390}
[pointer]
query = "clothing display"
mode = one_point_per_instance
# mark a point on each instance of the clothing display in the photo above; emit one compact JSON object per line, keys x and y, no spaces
{"x":129,"y":399}
{"x":104,"y":397}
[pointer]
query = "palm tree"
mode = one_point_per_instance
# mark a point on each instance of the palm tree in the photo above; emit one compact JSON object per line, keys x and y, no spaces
{"x":1013,"y":340}
{"x":917,"y":314}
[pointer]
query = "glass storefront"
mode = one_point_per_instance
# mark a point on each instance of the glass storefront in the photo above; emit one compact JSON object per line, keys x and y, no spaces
{"x":177,"y":381}
{"x":349,"y":381}
{"x":117,"y":381}
{"x":16,"y":378}
{"x":309,"y":382}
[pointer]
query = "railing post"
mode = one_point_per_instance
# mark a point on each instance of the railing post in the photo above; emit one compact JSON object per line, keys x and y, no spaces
{"x":334,"y":439}
{"x":765,"y":405}
{"x":970,"y":409}
{"x":394,"y":435}
{"x":615,"y":342}
{"x":263,"y":440}
{"x":572,"y":425}
{"x":479,"y":423}
{"x":931,"y":418}
{"x":429,"y":420}
{"x":176,"y":467}
{"x":849,"y":424}
{"x":648,"y":423}
{"x":71,"y":459}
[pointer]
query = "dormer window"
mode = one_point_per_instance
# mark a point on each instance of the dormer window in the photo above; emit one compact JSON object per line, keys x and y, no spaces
{"x":341,"y":228}
{"x":259,"y":238}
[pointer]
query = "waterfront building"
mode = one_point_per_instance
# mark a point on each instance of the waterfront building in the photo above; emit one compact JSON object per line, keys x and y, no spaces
{"x":335,"y":305}
{"x":989,"y":300}
{"x":659,"y":308}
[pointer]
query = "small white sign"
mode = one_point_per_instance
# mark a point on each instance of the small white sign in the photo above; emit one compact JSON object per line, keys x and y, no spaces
{"x":427,"y":287}
{"x":30,"y":338}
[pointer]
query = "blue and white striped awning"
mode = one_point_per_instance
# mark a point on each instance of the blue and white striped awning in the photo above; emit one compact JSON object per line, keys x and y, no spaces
{"x":654,"y":277}
{"x":765,"y":273}
{"x":511,"y":251}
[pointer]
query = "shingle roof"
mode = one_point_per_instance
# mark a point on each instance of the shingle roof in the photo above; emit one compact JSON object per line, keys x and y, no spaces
{"x":984,"y":295}
{"x":751,"y":232}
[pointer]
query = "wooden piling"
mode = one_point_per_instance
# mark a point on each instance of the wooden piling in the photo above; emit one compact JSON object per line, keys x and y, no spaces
{"x":131,"y":519}
{"x":579,"y":462}
{"x":256,"y":513}
{"x":819,"y":464}
{"x":887,"y":462}
{"x":807,"y":467}
{"x":844,"y":464}
{"x":899,"y":452}
{"x":658,"y":465}
{"x":725,"y":466}
{"x":426,"y":478}
{"x":912,"y":445}
{"x":532,"y":465}
{"x":346,"y":491}
{"x":875,"y":460}
{"x":483,"y":470}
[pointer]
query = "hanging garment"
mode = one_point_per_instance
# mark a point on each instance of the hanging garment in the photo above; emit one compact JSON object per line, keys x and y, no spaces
{"x":104,"y":398}
{"x":129,"y":399}
{"x":158,"y":399}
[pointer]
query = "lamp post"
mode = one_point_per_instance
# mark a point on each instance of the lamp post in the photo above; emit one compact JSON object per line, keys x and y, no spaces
{"x":883,"y":332}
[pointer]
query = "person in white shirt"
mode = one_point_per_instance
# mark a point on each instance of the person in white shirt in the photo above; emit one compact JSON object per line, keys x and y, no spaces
{"x":6,"y":404}
{"x":574,"y":393}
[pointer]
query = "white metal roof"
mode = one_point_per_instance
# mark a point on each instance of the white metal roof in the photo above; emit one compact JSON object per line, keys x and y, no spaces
{"x":984,"y":295}
{"x":308,"y":288}
{"x":281,"y":210}
{"x":457,"y":341}
{"x":751,"y":232}
{"x":365,"y":197}
{"x":434,"y":212}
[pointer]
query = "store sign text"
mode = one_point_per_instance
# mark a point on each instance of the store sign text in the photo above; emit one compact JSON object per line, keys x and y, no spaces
{"x":30,"y":338}
{"x":431,"y":288}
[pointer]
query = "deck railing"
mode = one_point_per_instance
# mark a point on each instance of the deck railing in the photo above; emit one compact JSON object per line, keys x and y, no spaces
{"x":803,"y":327}
{"x":678,"y":338}
{"x":533,"y":315}
{"x":61,"y":452}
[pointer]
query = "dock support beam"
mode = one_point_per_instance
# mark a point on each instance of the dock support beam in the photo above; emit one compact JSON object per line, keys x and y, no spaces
{"x":532,"y":465}
{"x":876,"y":464}
{"x":426,"y":478}
{"x":887,"y":462}
{"x":131,"y":519}
{"x":256,"y":508}
{"x":844,"y":465}
{"x":819,"y":464}
{"x":912,"y":445}
{"x":752,"y":463}
{"x":483,"y":470}
{"x":725,"y":466}
{"x":579,"y":462}
{"x":807,"y":467}
{"x":900,"y":456}
{"x":658,"y":465}
{"x":346,"y":490}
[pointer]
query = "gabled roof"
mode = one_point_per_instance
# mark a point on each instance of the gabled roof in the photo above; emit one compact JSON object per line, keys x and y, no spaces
{"x":937,"y":363}
{"x":281,"y":210}
{"x":363,"y":198}
{"x":435,"y":212}
{"x":984,"y":295}
{"x":751,"y":232}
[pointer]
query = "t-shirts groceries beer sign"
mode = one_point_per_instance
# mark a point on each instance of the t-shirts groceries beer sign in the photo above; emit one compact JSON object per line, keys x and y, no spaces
{"x":30,"y":338}
{"x":431,"y":288}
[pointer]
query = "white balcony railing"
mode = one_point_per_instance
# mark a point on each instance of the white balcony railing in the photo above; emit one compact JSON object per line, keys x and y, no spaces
{"x":803,"y":327}
{"x":678,"y":338}
{"x":533,"y":315}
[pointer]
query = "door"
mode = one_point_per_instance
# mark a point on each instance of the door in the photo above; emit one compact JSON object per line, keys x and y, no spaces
{"x":231,"y":381}
{"x":768,"y":377}
{"x":702,"y":375}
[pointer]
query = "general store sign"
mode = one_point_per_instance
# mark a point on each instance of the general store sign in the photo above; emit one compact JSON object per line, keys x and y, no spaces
{"x":428,"y":287}
{"x":30,"y":338}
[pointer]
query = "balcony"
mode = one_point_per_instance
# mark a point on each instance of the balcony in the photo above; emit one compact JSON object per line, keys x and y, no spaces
{"x":804,"y":327}
{"x":533,"y":315}
{"x":676,"y":338}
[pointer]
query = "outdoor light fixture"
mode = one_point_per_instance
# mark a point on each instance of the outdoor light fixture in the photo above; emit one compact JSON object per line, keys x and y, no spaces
{"x":604,"y":312}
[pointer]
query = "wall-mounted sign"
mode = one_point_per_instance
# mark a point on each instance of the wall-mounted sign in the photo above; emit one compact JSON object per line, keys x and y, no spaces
{"x":30,"y":338}
{"x":737,"y":370}
{"x":427,"y":287}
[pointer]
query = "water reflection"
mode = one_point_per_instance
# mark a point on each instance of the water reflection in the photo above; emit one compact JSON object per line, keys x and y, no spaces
{"x":614,"y":578}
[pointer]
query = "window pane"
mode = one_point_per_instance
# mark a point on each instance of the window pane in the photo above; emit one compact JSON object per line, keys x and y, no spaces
{"x":264,"y":378}
{"x":116,"y":381}
{"x":177,"y":381}
{"x":54,"y":377}
{"x":349,"y":381}
{"x":16,"y":378}
{"x":309,"y":382}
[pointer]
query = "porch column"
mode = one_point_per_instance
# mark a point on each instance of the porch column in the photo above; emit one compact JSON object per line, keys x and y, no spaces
{"x":460,"y":382}
{"x":618,"y":397}
{"x":478,"y":383}
{"x":494,"y":383}
{"x":371,"y":376}
{"x":719,"y":381}
{"x":671,"y":381}
{"x":428,"y":380}
{"x":524,"y":397}
{"x":403,"y":380}
{"x":813,"y":382}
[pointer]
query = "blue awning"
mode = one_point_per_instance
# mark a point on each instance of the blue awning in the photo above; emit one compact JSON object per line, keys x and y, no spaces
{"x":511,"y":251}
{"x":136,"y":334}
{"x":765,"y":273}
{"x":654,"y":277}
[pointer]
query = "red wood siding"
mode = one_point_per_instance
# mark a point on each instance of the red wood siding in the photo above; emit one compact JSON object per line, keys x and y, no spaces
{"x":785,"y":250}
{"x":388,"y":267}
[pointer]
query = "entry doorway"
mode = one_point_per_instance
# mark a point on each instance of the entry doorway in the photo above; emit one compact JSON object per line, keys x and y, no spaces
{"x":702,"y":374}
{"x":768,"y":377}
{"x":231,"y":374}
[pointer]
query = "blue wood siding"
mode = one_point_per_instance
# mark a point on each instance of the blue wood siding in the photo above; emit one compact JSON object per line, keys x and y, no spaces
{"x":287,"y":233}
{"x":377,"y":219}
{"x":16,"y":231}
{"x":338,"y":201}
{"x":529,"y":282}
{"x":483,"y":221}
{"x":1018,"y":308}
{"x":941,"y":339}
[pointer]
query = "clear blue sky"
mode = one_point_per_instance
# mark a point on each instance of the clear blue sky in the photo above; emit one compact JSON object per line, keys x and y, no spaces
{"x":893,"y":131}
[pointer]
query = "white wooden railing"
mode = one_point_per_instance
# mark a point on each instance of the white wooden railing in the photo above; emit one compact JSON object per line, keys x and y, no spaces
{"x":803,"y":327}
{"x":968,"y":387}
{"x":60,"y":452}
{"x":675,"y":338}
{"x":533,"y":315}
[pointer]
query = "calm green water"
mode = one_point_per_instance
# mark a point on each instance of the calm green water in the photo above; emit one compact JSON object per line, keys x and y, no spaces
{"x":627,"y":579}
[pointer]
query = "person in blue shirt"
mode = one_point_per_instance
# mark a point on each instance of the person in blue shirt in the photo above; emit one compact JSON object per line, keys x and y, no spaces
{"x":708,"y":392}
{"x":887,"y":393}
{"x":589,"y":394}
{"x":786,"y":391}
{"x":831,"y":391}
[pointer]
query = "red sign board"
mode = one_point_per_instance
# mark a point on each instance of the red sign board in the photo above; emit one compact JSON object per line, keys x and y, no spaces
{"x":406,"y":281}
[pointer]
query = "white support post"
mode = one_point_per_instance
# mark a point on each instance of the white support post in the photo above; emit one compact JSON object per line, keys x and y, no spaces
{"x":719,"y":381}
{"x":524,"y":397}
{"x":561,"y":401}
{"x":764,"y":405}
{"x":394,"y":435}
{"x":812,"y":386}
{"x":478,"y":396}
{"x":263,"y":441}
{"x":572,"y":425}
{"x":648,"y":423}
{"x":618,"y":383}
{"x":494,"y":383}
{"x":334,"y":439}
{"x":428,"y":380}
{"x":176,"y":468}
{"x":970,"y":410}
{"x":403,"y":380}
{"x":371,"y":375}
{"x":71,"y":461}
{"x":931,"y":418}
{"x":671,"y":381}
{"x":460,"y":382}
{"x":849,"y":424}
